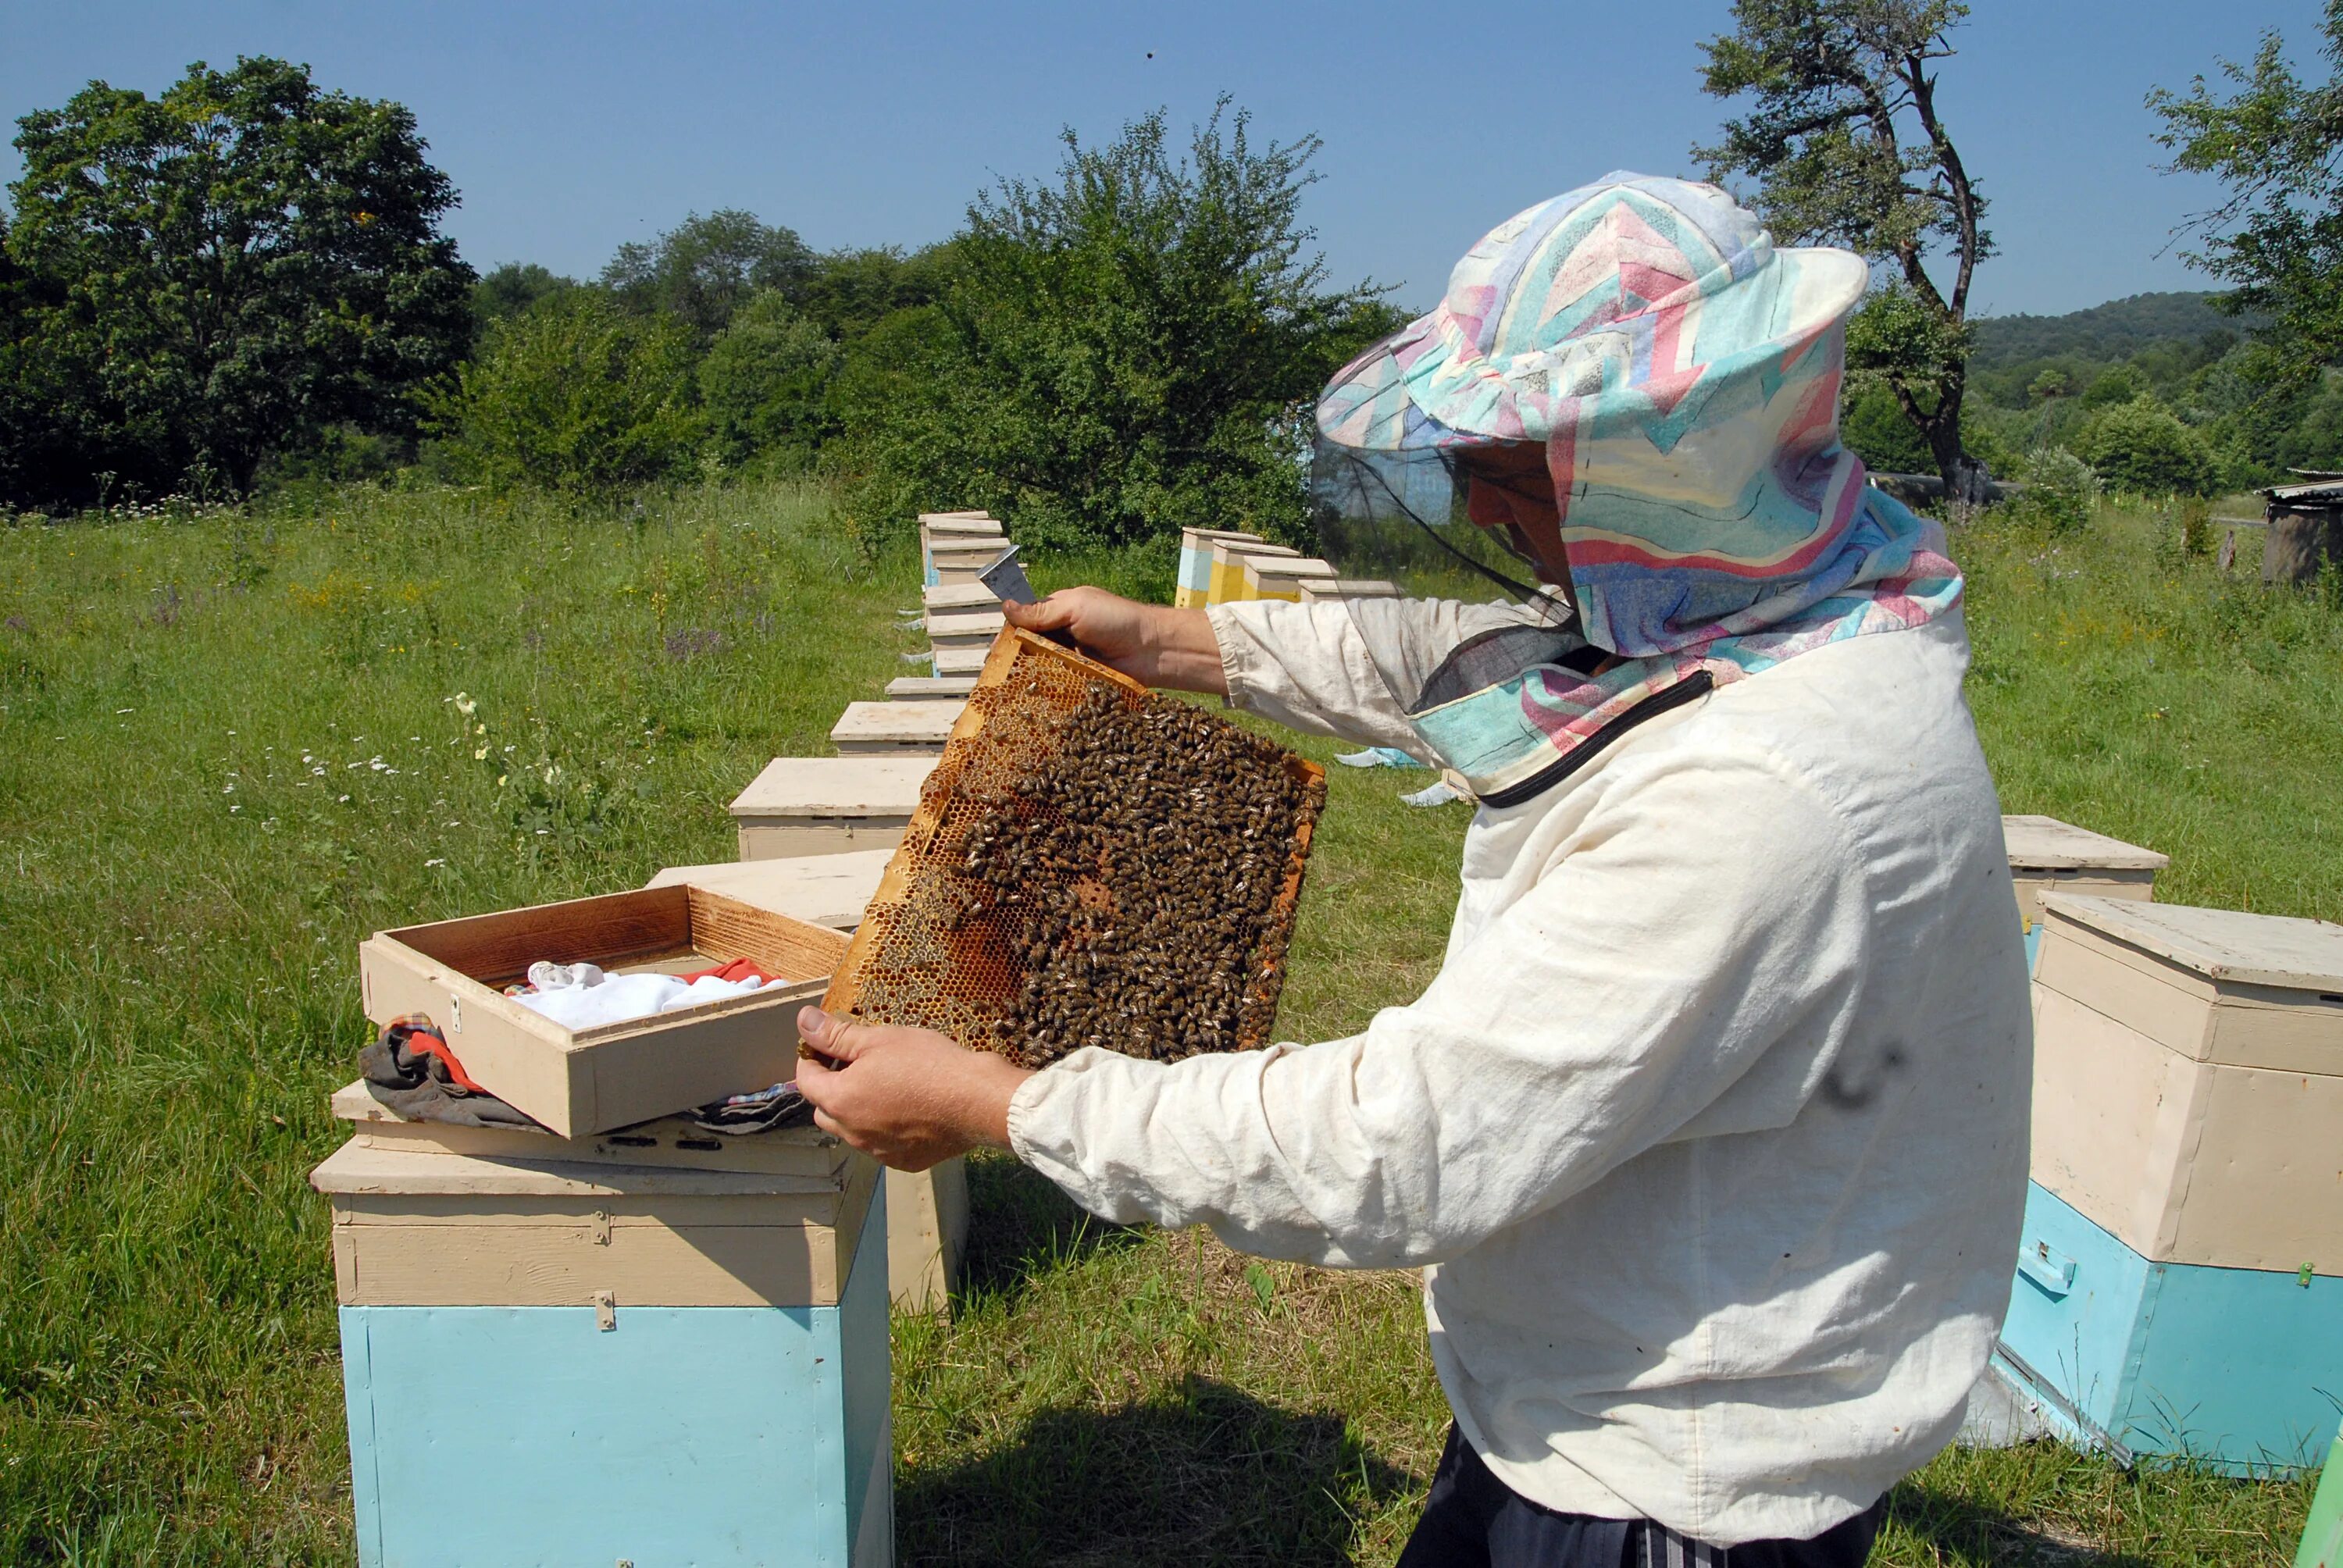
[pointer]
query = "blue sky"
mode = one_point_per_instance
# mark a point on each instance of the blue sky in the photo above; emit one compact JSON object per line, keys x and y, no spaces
{"x":571,"y":128}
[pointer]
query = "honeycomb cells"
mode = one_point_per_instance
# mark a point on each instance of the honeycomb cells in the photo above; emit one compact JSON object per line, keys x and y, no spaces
{"x":1094,"y":865}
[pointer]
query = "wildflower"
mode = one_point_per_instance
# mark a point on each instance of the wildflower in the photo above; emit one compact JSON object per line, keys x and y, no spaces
{"x":236,"y":809}
{"x":436,"y":862}
{"x":481,"y":755}
{"x":479,"y":729}
{"x":341,"y":800}
{"x":500,"y":779}
{"x":466,"y":706}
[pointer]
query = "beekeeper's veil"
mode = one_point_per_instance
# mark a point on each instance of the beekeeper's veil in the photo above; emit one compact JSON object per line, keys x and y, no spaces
{"x":1680,"y":376}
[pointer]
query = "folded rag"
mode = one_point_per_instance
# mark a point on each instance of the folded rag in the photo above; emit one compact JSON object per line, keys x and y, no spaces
{"x":761,"y":1112}
{"x":408,"y":1069}
{"x":580,"y":1002}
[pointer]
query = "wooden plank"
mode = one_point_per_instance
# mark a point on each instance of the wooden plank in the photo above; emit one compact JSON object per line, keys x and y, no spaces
{"x":966,"y":626}
{"x":2219,"y":944}
{"x":1317,"y":592}
{"x":834,"y":787}
{"x":960,"y":661}
{"x":793,"y":838}
{"x":497,"y":950}
{"x":358,"y":1172}
{"x":947,"y":598}
{"x":2033,"y":884}
{"x":725,"y":928}
{"x":927,"y":1234}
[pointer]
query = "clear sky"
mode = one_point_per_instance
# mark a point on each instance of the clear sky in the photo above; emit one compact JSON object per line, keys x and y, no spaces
{"x":570,"y":128}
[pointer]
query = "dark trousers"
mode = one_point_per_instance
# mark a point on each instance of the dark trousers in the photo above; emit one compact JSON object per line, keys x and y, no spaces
{"x":1472,"y":1520}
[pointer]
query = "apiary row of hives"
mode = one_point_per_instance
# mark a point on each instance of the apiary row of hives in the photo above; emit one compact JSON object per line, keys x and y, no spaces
{"x":1219,"y":566}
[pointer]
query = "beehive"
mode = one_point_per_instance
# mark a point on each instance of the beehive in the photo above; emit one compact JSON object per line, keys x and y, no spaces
{"x":953,"y":529}
{"x":1193,"y":586}
{"x":949,"y":598}
{"x":964,"y":628}
{"x":2180,"y":1281}
{"x":580,"y":1081}
{"x":940,"y":946}
{"x":951,"y":561}
{"x":1281,"y":577}
{"x":1227,"y":584}
{"x":819,"y":890}
{"x":894,"y":729}
{"x":929,"y":688}
{"x":828,"y":805}
{"x":584,"y":1359}
{"x":954,"y":661}
{"x":2047,"y":856}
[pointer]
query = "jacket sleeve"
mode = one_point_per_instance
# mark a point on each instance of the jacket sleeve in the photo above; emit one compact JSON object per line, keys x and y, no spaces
{"x":1309,"y":667}
{"x":1689,"y":954}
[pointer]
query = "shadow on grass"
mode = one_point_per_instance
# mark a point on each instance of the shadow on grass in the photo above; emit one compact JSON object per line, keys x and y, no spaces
{"x":1959,"y":1529}
{"x":1201,"y":1473}
{"x":1021,"y":1224}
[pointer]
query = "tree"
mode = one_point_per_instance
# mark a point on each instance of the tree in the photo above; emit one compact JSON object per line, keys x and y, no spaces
{"x":513,"y":288}
{"x":232,"y":268}
{"x":2143,"y":448}
{"x":2277,"y":143}
{"x":578,"y":395}
{"x":704,"y":268}
{"x":1848,"y":147}
{"x":763,"y":383}
{"x":1128,"y":350}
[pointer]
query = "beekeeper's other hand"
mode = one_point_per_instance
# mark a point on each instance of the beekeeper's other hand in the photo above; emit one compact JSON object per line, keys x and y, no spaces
{"x":1151,"y":643}
{"x":909,"y":1098}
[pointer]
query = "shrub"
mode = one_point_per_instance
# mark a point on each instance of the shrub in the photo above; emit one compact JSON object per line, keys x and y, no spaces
{"x":763,"y":385}
{"x":2141,"y":448}
{"x":577,"y":395}
{"x":2060,"y":490}
{"x":1118,"y":355}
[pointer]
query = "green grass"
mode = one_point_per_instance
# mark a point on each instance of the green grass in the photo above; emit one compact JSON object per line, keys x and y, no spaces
{"x":182,"y":894}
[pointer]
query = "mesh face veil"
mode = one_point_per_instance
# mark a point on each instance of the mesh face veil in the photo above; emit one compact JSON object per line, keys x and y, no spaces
{"x":1641,"y":392}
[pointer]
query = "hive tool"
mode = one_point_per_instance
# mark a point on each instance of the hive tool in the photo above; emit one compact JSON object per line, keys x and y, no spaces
{"x":1005,"y":580}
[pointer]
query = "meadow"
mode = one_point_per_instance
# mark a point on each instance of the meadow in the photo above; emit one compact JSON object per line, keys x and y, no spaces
{"x":233,"y":743}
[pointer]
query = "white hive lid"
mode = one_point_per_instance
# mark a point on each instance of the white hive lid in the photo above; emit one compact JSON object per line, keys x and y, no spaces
{"x":819,"y":890}
{"x":949,"y":597}
{"x":919,"y":721}
{"x":2219,"y":944}
{"x":2048,"y":844}
{"x":835,"y":787}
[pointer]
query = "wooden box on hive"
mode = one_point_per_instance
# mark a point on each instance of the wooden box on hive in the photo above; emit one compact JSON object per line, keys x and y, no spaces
{"x":1193,"y":586}
{"x":580,"y":1082}
{"x":1227,"y":583}
{"x":2180,"y":1284}
{"x":965,"y":627}
{"x":951,"y":599}
{"x":953,"y":529}
{"x":1281,"y":577}
{"x":894,"y":729}
{"x":828,"y":805}
{"x":2047,"y":856}
{"x":656,"y":1346}
{"x":953,"y":561}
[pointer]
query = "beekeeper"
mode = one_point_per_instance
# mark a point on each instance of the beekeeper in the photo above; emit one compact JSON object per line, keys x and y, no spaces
{"x":1710,"y":1134}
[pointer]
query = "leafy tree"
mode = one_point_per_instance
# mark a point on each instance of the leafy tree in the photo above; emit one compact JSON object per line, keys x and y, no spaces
{"x":1874,"y":429}
{"x":704,"y":268}
{"x":1122,"y":353}
{"x":2053,"y":383}
{"x":764,"y":383}
{"x":513,"y":288}
{"x":1846,"y":142}
{"x":850,"y":291}
{"x":578,"y":395}
{"x":2143,"y":448}
{"x":2060,"y":490}
{"x":2277,"y":144}
{"x":229,"y":269}
{"x":2120,"y":384}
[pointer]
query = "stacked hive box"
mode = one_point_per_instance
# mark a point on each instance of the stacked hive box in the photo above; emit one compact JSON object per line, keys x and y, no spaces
{"x":2046,"y":856}
{"x":953,"y":534}
{"x":1227,"y":582}
{"x":1193,"y":587}
{"x":1281,"y":577}
{"x":546,"y":1337}
{"x":2180,"y":1284}
{"x":828,"y":805}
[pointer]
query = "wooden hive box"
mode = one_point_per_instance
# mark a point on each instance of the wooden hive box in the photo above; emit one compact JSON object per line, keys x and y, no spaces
{"x":2048,"y":856}
{"x":965,"y":629}
{"x":953,"y":529}
{"x":1227,"y":585}
{"x":589,"y":1081}
{"x":587,"y":1361}
{"x":828,"y":805}
{"x":894,"y":729}
{"x":1318,"y":591}
{"x":2180,"y":1282}
{"x":950,"y":663}
{"x":929,"y":688}
{"x":951,"y":561}
{"x":1193,"y":586}
{"x":1281,"y":577}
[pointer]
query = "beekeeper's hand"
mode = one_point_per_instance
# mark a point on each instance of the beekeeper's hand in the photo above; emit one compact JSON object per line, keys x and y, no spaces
{"x":909,"y":1098}
{"x":1151,"y":643}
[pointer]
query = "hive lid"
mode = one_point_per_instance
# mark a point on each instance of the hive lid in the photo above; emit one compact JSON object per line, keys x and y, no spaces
{"x":354,"y":1169}
{"x":835,"y":787}
{"x":2219,"y":944}
{"x":819,"y":890}
{"x":2051,"y":845}
{"x":916,"y":720}
{"x":949,"y":597}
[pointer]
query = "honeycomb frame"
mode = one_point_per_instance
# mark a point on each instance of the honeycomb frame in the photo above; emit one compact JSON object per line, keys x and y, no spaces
{"x":928,"y":951}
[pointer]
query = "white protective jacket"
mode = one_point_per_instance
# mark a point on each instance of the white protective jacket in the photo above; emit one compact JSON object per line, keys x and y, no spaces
{"x":1710,"y":1132}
